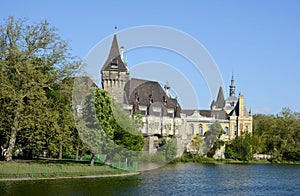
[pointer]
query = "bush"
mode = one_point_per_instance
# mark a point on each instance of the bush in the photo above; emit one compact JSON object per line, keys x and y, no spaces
{"x":291,"y":156}
{"x":229,"y":153}
{"x":155,"y":157}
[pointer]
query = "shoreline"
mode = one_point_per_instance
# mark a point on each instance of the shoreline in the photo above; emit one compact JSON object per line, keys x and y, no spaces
{"x":231,"y":161}
{"x":72,"y":177}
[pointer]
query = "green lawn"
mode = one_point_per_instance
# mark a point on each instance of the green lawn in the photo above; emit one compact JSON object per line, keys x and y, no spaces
{"x":50,"y":169}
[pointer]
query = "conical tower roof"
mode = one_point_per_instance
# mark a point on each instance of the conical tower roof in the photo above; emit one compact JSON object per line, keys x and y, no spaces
{"x":114,"y":61}
{"x":220,"y":102}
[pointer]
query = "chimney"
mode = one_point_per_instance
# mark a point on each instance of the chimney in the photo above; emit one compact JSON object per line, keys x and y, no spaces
{"x":122,"y":52}
{"x":167,"y":88}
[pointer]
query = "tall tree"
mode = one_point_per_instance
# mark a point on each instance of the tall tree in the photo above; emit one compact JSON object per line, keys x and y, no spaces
{"x":33,"y":58}
{"x":105,"y":128}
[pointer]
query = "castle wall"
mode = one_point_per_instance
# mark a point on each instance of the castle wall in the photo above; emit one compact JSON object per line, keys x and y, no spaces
{"x":113,"y":82}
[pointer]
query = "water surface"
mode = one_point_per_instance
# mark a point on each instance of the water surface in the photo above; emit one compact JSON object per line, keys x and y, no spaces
{"x":179,"y":179}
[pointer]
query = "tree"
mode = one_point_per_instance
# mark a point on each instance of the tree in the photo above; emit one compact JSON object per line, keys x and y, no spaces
{"x":277,"y":135}
{"x":33,"y":59}
{"x":196,"y":145}
{"x":211,"y":136}
{"x":240,"y":148}
{"x":169,"y":149}
{"x":61,"y":138}
{"x":106,"y":129}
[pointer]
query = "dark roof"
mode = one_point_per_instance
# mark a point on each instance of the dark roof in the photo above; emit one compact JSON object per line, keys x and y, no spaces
{"x":148,"y":90}
{"x":114,"y":61}
{"x":220,"y":102}
{"x":236,"y":110}
{"x":218,"y":114}
{"x":222,"y":115}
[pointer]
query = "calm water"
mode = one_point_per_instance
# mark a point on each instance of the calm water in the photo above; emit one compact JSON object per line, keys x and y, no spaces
{"x":179,"y":179}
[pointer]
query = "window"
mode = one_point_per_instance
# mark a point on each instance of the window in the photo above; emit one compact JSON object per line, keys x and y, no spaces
{"x":191,"y":129}
{"x":247,"y":128}
{"x":226,"y":130}
{"x":114,"y":63}
{"x":235,"y":130}
{"x":200,"y":129}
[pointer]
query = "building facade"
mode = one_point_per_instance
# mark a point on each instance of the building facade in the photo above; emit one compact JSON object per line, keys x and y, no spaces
{"x":162,"y":115}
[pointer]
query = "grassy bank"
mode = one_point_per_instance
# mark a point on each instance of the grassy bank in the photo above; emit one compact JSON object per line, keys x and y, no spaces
{"x":54,"y":169}
{"x":200,"y":159}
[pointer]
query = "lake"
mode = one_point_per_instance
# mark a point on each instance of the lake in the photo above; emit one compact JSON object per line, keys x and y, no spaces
{"x":177,"y":179}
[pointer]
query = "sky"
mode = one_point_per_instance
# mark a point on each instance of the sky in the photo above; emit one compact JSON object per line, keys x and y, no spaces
{"x":257,"y":41}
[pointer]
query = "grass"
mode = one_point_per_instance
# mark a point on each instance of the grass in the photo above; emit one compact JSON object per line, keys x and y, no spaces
{"x":54,"y":169}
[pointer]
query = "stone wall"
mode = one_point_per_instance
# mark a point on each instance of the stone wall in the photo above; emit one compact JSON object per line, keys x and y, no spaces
{"x":113,"y":82}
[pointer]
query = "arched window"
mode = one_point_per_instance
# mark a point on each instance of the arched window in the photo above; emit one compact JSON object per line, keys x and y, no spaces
{"x":191,"y":129}
{"x":200,"y":129}
{"x":226,"y":130}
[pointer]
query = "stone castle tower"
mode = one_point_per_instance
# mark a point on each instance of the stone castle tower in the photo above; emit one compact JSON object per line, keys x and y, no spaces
{"x":114,"y":72}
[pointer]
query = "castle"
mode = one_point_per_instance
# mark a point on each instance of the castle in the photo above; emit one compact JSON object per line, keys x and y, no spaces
{"x":162,"y":115}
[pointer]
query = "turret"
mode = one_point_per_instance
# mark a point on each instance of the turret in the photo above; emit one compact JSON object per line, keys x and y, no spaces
{"x":115,"y":72}
{"x":220,"y":101}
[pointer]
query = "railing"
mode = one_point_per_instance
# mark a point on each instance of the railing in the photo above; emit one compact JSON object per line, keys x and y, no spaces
{"x":131,"y":166}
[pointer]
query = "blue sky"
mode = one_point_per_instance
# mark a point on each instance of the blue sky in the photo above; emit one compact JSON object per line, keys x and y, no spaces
{"x":257,"y":40}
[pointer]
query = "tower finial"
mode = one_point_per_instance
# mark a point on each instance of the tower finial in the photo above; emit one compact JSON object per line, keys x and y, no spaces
{"x":232,"y":86}
{"x":116,"y":29}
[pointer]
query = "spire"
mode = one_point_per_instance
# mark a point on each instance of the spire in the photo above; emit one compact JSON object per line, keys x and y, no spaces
{"x":114,"y":61}
{"x":232,"y":87}
{"x":220,"y":102}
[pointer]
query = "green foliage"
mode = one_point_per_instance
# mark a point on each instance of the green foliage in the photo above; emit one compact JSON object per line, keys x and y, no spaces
{"x":107,"y":129}
{"x":291,"y":156}
{"x":155,"y":157}
{"x":185,"y":158}
{"x":196,"y":145}
{"x":169,"y":149}
{"x":211,"y":136}
{"x":34,"y":107}
{"x":277,"y":135}
{"x":240,"y":148}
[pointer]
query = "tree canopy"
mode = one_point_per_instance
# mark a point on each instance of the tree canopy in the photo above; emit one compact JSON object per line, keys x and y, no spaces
{"x":106,"y":129}
{"x":35,"y":102}
{"x":276,"y":135}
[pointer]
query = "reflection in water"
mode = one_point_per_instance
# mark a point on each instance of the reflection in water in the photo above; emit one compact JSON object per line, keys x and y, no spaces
{"x":179,"y":179}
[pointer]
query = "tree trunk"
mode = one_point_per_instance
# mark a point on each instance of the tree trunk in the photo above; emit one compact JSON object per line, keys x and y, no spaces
{"x":77,"y":154}
{"x":12,"y":141}
{"x":13,"y":136}
{"x":93,"y":159}
{"x":82,"y":154}
{"x":60,"y":152}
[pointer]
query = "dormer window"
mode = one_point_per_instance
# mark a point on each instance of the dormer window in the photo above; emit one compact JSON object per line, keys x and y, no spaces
{"x":114,"y":63}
